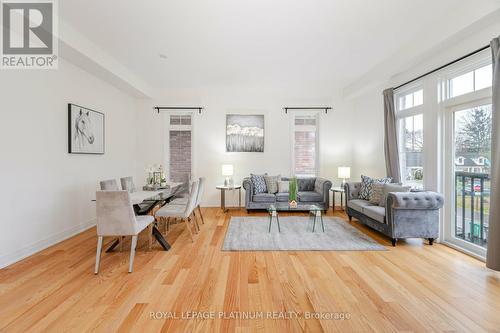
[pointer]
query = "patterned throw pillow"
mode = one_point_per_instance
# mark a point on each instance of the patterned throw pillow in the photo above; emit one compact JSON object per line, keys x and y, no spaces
{"x":365,"y":190}
{"x":283,"y":186}
{"x":377,"y":193}
{"x":259,"y":183}
{"x":272,"y":183}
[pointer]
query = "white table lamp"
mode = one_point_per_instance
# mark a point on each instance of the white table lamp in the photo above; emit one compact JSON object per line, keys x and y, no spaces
{"x":344,"y":173}
{"x":227,"y":171}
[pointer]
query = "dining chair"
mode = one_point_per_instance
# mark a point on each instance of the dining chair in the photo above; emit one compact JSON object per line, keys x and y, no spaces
{"x":109,"y":185}
{"x":128,"y":184}
{"x":116,"y":217}
{"x":180,"y":211}
{"x":201,"y":189}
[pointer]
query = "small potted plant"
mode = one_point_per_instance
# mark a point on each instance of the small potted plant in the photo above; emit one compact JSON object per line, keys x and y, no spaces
{"x":292,"y":193}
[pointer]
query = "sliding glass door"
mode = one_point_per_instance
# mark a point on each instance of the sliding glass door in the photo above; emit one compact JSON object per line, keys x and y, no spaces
{"x":470,"y":165}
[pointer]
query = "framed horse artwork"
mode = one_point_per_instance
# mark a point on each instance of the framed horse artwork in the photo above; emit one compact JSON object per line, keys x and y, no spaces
{"x":85,"y":130}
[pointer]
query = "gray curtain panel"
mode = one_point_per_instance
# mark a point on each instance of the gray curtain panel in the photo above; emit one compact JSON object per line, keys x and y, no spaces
{"x":391,"y":137}
{"x":493,"y":255}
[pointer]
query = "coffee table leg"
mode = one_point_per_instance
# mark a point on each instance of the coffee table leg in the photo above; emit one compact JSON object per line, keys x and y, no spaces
{"x":333,"y":202}
{"x":270,"y":220}
{"x":278,"y":220}
{"x":322,"y":225}
{"x":314,"y":224}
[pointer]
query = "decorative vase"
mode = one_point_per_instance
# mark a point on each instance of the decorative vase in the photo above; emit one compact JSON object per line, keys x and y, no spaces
{"x":292,"y":193}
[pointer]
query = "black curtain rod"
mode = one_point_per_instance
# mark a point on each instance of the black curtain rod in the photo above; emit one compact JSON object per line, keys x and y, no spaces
{"x":159,"y":108}
{"x":326,"y":108}
{"x":443,"y":66}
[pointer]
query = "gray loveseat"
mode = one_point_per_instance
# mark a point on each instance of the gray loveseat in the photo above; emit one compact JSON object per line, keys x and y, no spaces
{"x":313,"y":190}
{"x":405,"y":215}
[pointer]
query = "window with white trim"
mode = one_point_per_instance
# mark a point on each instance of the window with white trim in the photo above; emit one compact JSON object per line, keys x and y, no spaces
{"x":179,"y":147}
{"x":305,"y":144}
{"x":410,"y":123}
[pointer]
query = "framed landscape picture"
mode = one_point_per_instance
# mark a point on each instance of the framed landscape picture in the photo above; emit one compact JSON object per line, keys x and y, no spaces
{"x":85,"y":130}
{"x":244,"y":133}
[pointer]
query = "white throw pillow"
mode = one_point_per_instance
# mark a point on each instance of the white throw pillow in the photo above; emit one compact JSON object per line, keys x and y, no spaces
{"x":283,"y":186}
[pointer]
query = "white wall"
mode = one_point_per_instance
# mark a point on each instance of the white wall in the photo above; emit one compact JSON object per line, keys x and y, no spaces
{"x":209,"y":132}
{"x":367,"y":106}
{"x":46,"y":193}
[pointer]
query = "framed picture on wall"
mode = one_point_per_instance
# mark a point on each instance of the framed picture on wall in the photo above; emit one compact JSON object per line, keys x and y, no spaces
{"x":245,"y":133}
{"x":85,"y":130}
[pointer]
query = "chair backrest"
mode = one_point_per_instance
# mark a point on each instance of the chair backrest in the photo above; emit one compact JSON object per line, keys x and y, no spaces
{"x":115,"y":215}
{"x":201,"y":189}
{"x":193,"y":195}
{"x":109,"y":185}
{"x":128,"y":184}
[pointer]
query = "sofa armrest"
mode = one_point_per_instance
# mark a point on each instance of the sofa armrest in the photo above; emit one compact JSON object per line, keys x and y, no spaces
{"x":415,"y":200}
{"x":352,"y":190}
{"x":248,"y":186}
{"x":323,"y":186}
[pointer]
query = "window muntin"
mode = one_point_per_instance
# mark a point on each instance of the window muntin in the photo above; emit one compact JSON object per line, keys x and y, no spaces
{"x":471,"y":81}
{"x":411,"y":150}
{"x":411,"y":99}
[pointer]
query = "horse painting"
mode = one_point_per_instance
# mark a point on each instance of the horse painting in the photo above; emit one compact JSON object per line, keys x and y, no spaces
{"x":83,"y":130}
{"x":86,"y":130}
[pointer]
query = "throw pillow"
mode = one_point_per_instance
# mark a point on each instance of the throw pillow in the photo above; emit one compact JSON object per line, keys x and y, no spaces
{"x":283,"y":186}
{"x":377,"y":193}
{"x":392,"y":188}
{"x":272,"y":183}
{"x":365,"y":190}
{"x":259,"y":183}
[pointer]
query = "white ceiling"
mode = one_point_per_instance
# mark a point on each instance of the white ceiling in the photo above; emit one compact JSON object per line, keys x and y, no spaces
{"x":261,"y":41}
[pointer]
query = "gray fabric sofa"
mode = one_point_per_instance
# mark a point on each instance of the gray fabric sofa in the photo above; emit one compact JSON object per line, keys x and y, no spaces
{"x":310,"y":191}
{"x":405,"y":215}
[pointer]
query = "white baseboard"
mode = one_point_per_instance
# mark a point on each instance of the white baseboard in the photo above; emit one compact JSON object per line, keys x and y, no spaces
{"x":10,"y":258}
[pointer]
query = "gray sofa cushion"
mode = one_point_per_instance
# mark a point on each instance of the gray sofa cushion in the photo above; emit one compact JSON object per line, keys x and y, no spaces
{"x":375,"y":212}
{"x":259,"y":183}
{"x":282,"y":197}
{"x":309,"y":196}
{"x":358,"y":204}
{"x":306,"y":184}
{"x":264,"y":197}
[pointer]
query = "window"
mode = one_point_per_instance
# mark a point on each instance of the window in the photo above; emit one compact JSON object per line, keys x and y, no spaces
{"x":410,"y":121}
{"x":474,"y":80}
{"x":411,"y":100}
{"x":179,"y":147}
{"x":305,"y":145}
{"x":411,"y":144}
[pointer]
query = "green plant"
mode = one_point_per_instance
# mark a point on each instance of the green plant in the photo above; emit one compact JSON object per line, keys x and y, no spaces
{"x":292,"y":189}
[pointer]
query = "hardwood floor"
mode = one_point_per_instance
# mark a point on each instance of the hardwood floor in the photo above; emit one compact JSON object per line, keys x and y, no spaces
{"x":412,"y":287}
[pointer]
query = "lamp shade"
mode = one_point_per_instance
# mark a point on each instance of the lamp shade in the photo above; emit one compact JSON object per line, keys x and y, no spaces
{"x":227,"y":170}
{"x":344,"y":172}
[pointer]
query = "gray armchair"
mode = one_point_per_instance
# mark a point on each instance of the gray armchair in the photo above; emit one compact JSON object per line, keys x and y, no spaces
{"x":405,"y":215}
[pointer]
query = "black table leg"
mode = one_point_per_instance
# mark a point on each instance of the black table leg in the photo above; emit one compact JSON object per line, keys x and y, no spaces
{"x":159,"y":237}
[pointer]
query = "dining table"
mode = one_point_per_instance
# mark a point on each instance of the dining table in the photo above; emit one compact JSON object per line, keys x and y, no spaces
{"x":151,"y":199}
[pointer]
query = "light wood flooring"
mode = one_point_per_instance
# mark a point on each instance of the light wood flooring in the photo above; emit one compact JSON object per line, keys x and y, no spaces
{"x":412,"y":287}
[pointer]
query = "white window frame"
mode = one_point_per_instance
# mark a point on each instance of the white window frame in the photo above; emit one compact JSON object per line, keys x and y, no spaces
{"x":166,"y":141}
{"x":317,"y":115}
{"x":401,"y":115}
{"x":447,"y":107}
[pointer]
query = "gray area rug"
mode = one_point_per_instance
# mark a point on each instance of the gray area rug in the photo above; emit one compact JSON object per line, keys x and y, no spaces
{"x":251,"y":233}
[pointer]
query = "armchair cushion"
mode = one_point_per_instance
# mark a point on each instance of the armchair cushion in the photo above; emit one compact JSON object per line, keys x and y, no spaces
{"x":375,"y":212}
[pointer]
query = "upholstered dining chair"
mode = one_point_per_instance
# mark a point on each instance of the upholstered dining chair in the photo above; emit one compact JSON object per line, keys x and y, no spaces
{"x":182,"y":212}
{"x":184,"y":200}
{"x":116,"y":217}
{"x":128,"y":184}
{"x":109,"y":185}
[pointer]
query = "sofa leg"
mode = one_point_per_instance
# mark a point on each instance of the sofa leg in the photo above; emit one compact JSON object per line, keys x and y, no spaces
{"x":350,"y":218}
{"x":393,"y":241}
{"x":431,"y":241}
{"x":248,"y":211}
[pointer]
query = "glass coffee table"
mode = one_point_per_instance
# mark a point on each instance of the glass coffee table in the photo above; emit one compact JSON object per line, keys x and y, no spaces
{"x":314,"y":211}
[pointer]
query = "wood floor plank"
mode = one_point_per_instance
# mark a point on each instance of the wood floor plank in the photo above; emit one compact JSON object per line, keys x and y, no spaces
{"x":413,"y":287}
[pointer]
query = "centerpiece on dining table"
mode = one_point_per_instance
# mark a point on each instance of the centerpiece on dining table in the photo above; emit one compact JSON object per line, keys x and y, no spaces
{"x":156,"y":178}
